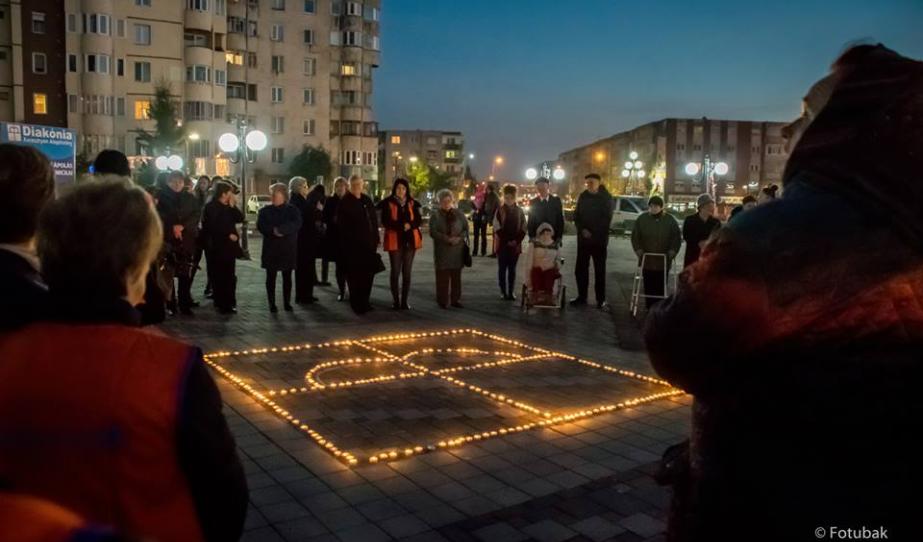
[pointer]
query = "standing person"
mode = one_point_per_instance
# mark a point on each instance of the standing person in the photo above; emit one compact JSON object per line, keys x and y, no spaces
{"x":546,"y":208}
{"x":480,"y":220}
{"x":509,"y":231}
{"x":180,"y":215}
{"x":400,"y":218}
{"x":202,"y":192}
{"x":219,"y":231}
{"x":279,"y":224}
{"x":449,"y":228}
{"x":317,"y":199}
{"x":111,"y":162}
{"x":592,"y":217}
{"x":26,"y":186}
{"x":802,"y":323}
{"x":125,"y":426}
{"x":491,"y":204}
{"x":656,"y":232}
{"x":308,"y":240}
{"x":331,"y":241}
{"x":698,"y":228}
{"x":748,"y":203}
{"x":357,"y":221}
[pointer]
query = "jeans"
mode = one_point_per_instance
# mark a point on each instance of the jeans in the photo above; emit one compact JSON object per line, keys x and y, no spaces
{"x":506,"y":269}
{"x":401,"y":267}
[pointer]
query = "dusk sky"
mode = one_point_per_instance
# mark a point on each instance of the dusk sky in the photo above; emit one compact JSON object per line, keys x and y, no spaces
{"x":528,"y":79}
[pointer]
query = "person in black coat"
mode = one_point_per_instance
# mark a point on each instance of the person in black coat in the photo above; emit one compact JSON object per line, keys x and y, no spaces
{"x":546,"y":207}
{"x":180,"y":213}
{"x":311,"y":209}
{"x":357,"y":220}
{"x":488,"y":213}
{"x":331,"y":238}
{"x":26,"y":185}
{"x":698,"y":228}
{"x":222,"y":245}
{"x":592,"y":217}
{"x":279,"y":223}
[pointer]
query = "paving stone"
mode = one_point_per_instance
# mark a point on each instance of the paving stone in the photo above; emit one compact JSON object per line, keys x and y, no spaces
{"x":365,"y":532}
{"x":263,"y":534}
{"x":500,"y":531}
{"x":597,"y":528}
{"x":284,"y":511}
{"x":301,"y":529}
{"x":548,"y":531}
{"x":404,"y":525}
{"x":381,"y":509}
{"x":643,"y":525}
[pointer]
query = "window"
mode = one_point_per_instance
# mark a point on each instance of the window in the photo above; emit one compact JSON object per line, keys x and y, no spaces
{"x":310,"y":66}
{"x":278,"y":155}
{"x":236,"y":59}
{"x":251,"y":60}
{"x":195,"y":40}
{"x":276,"y":33}
{"x":308,"y":96}
{"x":370,"y":13}
{"x":197,"y":5}
{"x":71,"y":22}
{"x":352,"y":39}
{"x":334,"y":38}
{"x":237,"y":90}
{"x":143,"y":3}
{"x":276,"y":94}
{"x":142,"y":34}
{"x":120,"y":28}
{"x":278,"y":64}
{"x":251,"y":94}
{"x":72,"y":63}
{"x":220,"y":6}
{"x":40,"y":104}
{"x":236,"y":25}
{"x":120,"y":107}
{"x":344,"y":97}
{"x":278,"y":5}
{"x":307,"y":127}
{"x":120,"y":67}
{"x":198,"y":111}
{"x":354,"y":8}
{"x":352,"y":158}
{"x":370,"y":158}
{"x":96,"y":63}
{"x":39,"y":27}
{"x":278,"y":125}
{"x":143,"y":72}
{"x":219,"y":112}
{"x":348,"y":68}
{"x":142,"y":109}
{"x":451,"y":155}
{"x":71,"y":103}
{"x":308,"y":36}
{"x":39,"y":63}
{"x":96,"y":23}
{"x":198,"y":74}
{"x":395,"y":140}
{"x":221,"y":77}
{"x":680,"y":146}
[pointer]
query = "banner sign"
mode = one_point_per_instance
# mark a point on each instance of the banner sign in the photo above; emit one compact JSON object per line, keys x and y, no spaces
{"x":59,"y":145}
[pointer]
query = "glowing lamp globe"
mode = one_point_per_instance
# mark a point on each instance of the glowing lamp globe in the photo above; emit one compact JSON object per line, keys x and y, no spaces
{"x":638,"y":164}
{"x":175,"y":162}
{"x":626,"y":173}
{"x":161,"y":163}
{"x":531,"y":174}
{"x":633,"y":155}
{"x":692,"y":168}
{"x":228,"y":142}
{"x":629,"y":165}
{"x":256,"y":140}
{"x":642,"y":173}
{"x":721,"y":168}
{"x":558,"y":174}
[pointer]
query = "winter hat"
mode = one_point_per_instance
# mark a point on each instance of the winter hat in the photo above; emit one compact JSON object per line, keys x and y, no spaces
{"x":703,"y":200}
{"x":544,"y":226}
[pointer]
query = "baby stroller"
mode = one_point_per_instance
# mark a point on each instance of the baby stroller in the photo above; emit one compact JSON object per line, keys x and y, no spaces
{"x":540,"y":266}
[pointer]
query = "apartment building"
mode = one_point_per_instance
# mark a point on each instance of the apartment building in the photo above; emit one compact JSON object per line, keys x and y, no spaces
{"x":440,"y":149}
{"x":753,"y":150}
{"x":299,"y":70}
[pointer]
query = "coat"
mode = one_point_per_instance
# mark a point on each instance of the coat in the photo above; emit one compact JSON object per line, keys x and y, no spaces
{"x":330,"y":243}
{"x":22,"y":290}
{"x":802,"y":351}
{"x":179,"y":209}
{"x":219,"y":222}
{"x":696,"y":230}
{"x":446,"y":255}
{"x":357,"y":223}
{"x":312,"y":226}
{"x":509,"y":226}
{"x":393,"y":218}
{"x":656,"y":234}
{"x":593,"y":213}
{"x":550,"y":211}
{"x":279,"y":225}
{"x":490,"y":206}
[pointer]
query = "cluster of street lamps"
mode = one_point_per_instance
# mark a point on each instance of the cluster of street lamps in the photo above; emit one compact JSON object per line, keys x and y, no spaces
{"x":707,"y":170}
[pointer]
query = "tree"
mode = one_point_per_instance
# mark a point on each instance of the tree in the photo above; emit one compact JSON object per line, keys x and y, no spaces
{"x":310,"y":163}
{"x":169,"y":133}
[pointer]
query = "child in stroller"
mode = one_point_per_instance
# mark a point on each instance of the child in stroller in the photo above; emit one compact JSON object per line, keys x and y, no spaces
{"x":544,"y":267}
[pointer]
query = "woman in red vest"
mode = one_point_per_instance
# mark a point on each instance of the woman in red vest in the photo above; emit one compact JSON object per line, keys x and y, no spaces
{"x":400,"y":216}
{"x":120,"y":425}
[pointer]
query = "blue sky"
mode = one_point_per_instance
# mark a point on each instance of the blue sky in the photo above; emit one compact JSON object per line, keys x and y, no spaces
{"x":530,"y":78}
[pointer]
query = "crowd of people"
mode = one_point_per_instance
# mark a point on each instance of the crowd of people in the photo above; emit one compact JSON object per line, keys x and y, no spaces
{"x":797,"y":326}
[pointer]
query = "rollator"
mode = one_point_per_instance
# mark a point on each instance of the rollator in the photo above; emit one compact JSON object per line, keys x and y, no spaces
{"x":637,"y":287}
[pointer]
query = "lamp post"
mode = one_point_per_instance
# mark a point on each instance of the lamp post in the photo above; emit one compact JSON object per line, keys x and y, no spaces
{"x":169,"y":162}
{"x":498,"y":162}
{"x":242,"y":147}
{"x":633,"y":170}
{"x":707,"y":170}
{"x":194,"y":136}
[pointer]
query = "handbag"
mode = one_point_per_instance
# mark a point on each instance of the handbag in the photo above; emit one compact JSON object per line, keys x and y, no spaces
{"x":378,"y":264}
{"x":466,"y":253}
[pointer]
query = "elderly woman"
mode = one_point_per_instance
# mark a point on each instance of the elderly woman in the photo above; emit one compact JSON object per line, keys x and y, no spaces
{"x":331,"y":239}
{"x":357,"y":222}
{"x":279,"y":224}
{"x":799,"y":331}
{"x":122,"y":426}
{"x":449,"y":229}
{"x":308,"y":239}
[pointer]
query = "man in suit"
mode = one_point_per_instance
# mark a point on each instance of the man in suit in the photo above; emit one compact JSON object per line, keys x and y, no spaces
{"x":26,"y":185}
{"x":546,"y":207}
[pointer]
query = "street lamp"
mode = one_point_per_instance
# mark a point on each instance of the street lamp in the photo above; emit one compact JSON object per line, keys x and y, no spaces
{"x":558,"y":174}
{"x":498,"y":161}
{"x":707,"y":170}
{"x":531,"y":174}
{"x":173,"y":162}
{"x":230,"y":143}
{"x":633,"y":169}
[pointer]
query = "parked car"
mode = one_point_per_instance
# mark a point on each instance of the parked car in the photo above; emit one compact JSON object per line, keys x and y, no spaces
{"x":627,"y":209}
{"x":255,"y":203}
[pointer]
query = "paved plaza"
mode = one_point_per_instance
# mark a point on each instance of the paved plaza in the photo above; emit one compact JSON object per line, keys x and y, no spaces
{"x":482,"y":423}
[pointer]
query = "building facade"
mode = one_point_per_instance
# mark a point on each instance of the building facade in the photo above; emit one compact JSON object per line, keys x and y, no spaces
{"x":753,"y":150}
{"x":398,"y":149}
{"x":299,"y":70}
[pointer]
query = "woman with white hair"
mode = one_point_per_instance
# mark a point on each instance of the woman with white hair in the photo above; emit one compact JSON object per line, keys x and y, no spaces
{"x":331,"y":239}
{"x":449,"y":228}
{"x":279,"y":223}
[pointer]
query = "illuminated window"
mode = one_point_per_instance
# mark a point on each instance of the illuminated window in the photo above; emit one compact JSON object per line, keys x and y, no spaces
{"x":142,"y":109}
{"x":40,"y":104}
{"x":348,"y":68}
{"x":236,"y":59}
{"x":451,"y":154}
{"x":395,"y":140}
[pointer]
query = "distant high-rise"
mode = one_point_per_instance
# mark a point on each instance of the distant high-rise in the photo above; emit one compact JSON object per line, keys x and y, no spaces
{"x":400,"y":148}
